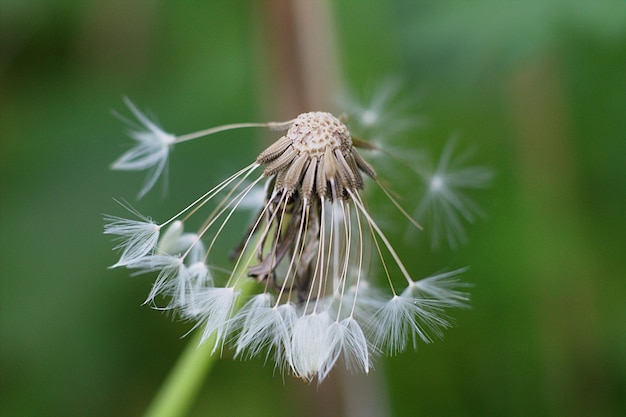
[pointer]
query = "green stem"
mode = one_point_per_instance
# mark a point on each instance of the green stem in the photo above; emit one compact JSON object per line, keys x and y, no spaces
{"x":182,"y":385}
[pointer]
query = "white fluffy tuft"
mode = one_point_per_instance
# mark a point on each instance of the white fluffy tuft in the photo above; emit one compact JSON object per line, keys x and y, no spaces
{"x":213,"y":307}
{"x":403,"y":316}
{"x":137,"y":238}
{"x":265,"y":327}
{"x":347,"y":337}
{"x":150,"y":152}
{"x":309,"y":345}
{"x":446,"y":205}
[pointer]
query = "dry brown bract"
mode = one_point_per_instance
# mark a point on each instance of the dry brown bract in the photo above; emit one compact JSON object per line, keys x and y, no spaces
{"x":316,"y":156}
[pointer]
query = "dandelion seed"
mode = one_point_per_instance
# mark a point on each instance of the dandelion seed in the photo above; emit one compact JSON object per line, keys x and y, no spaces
{"x":446,"y":205}
{"x":196,"y":277}
{"x":403,"y":316}
{"x":213,"y":308}
{"x":346,"y":337}
{"x":176,"y":243}
{"x":310,"y":348}
{"x":151,"y":151}
{"x":265,"y":327}
{"x":170,"y":269}
{"x":154,"y":145}
{"x":442,"y":288}
{"x":137,"y":238}
{"x":383,"y":113}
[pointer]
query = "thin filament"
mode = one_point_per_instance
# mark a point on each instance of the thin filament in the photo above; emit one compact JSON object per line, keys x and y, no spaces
{"x":210,"y":131}
{"x":371,"y":221}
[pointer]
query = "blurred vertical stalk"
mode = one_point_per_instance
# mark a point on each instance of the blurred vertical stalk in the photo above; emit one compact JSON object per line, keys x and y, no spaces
{"x":566,"y":298}
{"x":305,"y":76}
{"x":317,"y":51}
{"x":304,"y":69}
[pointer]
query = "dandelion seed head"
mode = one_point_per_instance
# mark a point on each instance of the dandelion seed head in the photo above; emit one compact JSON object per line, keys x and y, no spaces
{"x":311,"y":133}
{"x":316,"y":157}
{"x":310,"y":247}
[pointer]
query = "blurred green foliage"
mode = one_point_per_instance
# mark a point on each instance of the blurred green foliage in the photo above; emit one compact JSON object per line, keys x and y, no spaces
{"x":538,"y":86}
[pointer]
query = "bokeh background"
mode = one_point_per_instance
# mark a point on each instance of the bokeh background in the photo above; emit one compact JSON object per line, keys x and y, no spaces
{"x":538,"y":86}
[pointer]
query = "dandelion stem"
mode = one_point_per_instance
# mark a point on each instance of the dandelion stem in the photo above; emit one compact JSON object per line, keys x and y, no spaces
{"x":184,"y":382}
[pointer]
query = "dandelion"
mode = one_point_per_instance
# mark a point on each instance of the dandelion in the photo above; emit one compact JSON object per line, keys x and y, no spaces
{"x":310,"y":249}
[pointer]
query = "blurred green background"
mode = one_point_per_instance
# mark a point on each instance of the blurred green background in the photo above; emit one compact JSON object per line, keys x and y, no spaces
{"x":538,"y":86}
